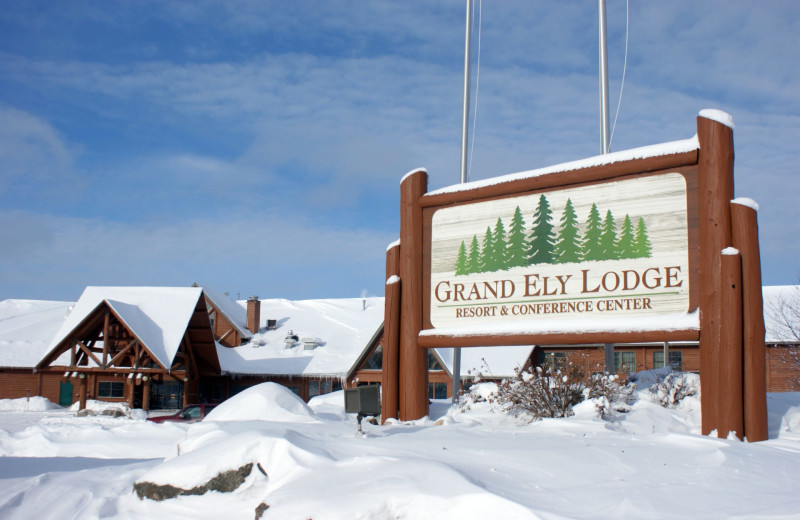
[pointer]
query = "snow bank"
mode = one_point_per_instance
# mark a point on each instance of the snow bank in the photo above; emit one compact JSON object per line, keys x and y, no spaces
{"x":264,"y":402}
{"x":24,"y":404}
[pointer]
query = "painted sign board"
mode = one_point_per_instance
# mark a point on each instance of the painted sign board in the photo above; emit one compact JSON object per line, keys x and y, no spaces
{"x":619,"y":248}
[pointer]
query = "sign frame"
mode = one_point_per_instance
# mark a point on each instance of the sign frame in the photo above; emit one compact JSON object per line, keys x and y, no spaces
{"x":724,"y":270}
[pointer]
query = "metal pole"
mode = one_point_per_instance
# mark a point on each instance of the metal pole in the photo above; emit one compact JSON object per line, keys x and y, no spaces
{"x":604,"y":124}
{"x":465,"y":105}
{"x":464,"y":127}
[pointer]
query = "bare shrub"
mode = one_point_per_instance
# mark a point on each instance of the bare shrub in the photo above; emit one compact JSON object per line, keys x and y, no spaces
{"x":552,"y":390}
{"x":676,"y":386}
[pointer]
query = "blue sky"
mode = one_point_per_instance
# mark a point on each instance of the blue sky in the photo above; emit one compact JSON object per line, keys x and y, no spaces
{"x":257,"y":146}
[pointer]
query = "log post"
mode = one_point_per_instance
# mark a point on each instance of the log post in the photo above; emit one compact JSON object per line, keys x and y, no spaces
{"x":744,"y":220}
{"x":715,"y":191}
{"x":146,"y":393}
{"x":131,"y":384}
{"x":730,"y":415}
{"x":390,"y":377}
{"x":82,"y":384}
{"x":413,"y":401}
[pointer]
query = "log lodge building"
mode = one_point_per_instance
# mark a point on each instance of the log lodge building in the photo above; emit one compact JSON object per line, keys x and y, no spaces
{"x":165,"y":347}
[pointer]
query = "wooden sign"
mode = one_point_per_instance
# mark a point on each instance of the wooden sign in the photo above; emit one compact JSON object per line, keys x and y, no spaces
{"x":617,"y":249}
{"x":638,"y":246}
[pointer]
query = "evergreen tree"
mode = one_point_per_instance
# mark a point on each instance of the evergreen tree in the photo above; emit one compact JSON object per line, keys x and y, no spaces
{"x":591,"y":235}
{"x":608,"y":238}
{"x":568,"y":245}
{"x":499,"y":247}
{"x":461,"y":261}
{"x":626,"y":244}
{"x":517,"y":245}
{"x":542,"y":237}
{"x":474,"y":258}
{"x":642,"y":245}
{"x":485,"y":264}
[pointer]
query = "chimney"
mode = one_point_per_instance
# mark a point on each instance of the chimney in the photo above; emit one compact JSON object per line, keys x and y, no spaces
{"x":253,"y":314}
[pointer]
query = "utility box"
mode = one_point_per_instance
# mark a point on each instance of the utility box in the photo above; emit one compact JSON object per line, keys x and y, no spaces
{"x":363,"y":400}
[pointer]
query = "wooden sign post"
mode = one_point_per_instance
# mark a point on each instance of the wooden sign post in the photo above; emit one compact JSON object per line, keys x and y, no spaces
{"x":635,"y":246}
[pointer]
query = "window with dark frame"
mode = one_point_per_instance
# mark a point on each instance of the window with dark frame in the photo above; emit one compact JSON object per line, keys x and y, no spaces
{"x":625,"y":362}
{"x":110,"y":389}
{"x":675,"y":359}
{"x":375,"y":360}
{"x":437,"y":390}
{"x":554,"y":359}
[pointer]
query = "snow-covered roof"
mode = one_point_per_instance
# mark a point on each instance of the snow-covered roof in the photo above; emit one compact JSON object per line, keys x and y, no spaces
{"x":782,"y":313}
{"x":233,"y":312}
{"x":487,"y":361}
{"x":158,"y":316}
{"x":342,"y":328}
{"x":26,"y":328}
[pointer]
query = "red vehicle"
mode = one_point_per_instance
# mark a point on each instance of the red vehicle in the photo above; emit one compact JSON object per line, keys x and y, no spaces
{"x":190,"y":413}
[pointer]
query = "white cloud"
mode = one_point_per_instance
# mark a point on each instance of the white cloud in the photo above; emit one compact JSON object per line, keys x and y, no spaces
{"x":32,"y":152}
{"x":55,"y":257}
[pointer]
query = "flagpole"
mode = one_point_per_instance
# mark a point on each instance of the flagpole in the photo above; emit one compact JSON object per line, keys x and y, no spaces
{"x":464,"y":126}
{"x":604,"y":123}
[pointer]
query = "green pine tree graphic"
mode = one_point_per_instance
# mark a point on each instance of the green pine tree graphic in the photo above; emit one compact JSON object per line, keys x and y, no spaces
{"x":474,"y":259}
{"x":517,"y":245}
{"x":568,"y":244}
{"x":542,"y":237}
{"x":642,"y":242}
{"x":600,"y":241}
{"x":461,"y":261}
{"x":591,"y":236}
{"x":608,"y":238}
{"x":626,"y":247}
{"x":486,"y":264}
{"x":499,"y":253}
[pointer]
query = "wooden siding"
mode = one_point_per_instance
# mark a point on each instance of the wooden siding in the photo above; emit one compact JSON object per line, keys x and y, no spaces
{"x":783,"y":368}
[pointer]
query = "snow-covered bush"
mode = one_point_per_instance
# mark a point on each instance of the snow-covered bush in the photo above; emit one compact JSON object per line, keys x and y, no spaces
{"x":675,"y":386}
{"x":551,"y":390}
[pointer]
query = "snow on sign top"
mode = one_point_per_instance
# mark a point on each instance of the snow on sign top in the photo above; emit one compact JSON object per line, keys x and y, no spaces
{"x":719,"y":116}
{"x":746,"y":201}
{"x":656,"y":150}
{"x":157,"y":315}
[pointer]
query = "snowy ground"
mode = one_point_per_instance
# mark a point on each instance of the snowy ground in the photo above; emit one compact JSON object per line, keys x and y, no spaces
{"x":650,"y":463}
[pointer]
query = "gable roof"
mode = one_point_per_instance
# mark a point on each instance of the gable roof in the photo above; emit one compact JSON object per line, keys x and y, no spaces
{"x":158,"y":316}
{"x":343,"y":328}
{"x":26,"y":328}
{"x":234,"y":313}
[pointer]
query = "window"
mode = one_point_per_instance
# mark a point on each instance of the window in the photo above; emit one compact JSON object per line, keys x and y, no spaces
{"x":316,"y":388}
{"x":625,"y":362}
{"x":675,"y":359}
{"x":192,"y":412}
{"x":432,"y":363}
{"x":437,"y":390}
{"x":554,"y":359}
{"x":110,"y":389}
{"x":375,"y":360}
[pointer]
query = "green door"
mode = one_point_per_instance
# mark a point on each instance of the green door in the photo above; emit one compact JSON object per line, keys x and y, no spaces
{"x":65,"y":394}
